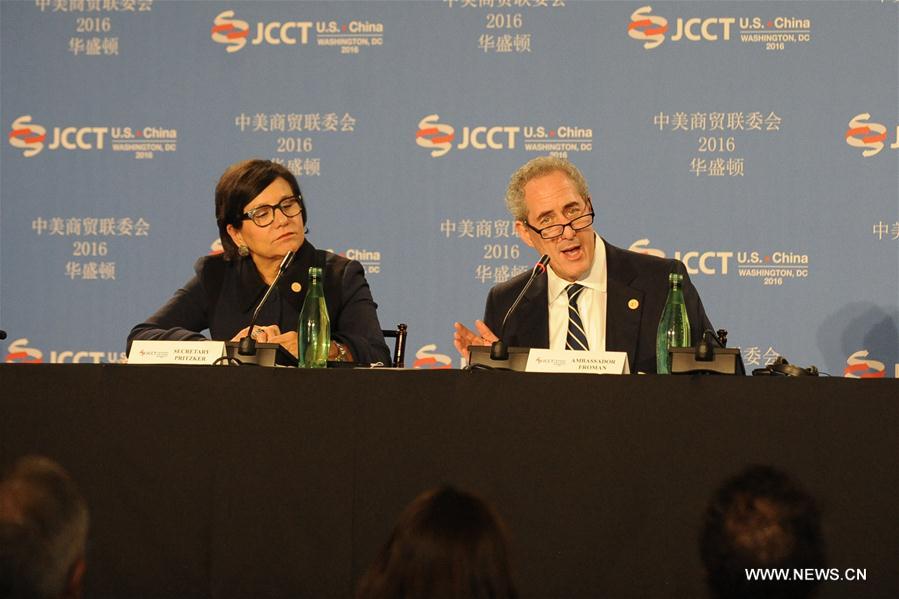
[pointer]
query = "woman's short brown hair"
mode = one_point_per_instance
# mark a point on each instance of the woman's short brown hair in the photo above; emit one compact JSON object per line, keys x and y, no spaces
{"x":238,"y":185}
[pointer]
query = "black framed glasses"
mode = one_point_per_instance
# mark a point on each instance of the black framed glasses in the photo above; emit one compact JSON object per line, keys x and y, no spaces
{"x":553,"y":231}
{"x":264,"y":215}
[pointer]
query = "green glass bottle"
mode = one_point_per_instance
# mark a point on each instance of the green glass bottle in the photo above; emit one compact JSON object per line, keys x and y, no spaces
{"x":674,"y":327}
{"x":314,"y":328}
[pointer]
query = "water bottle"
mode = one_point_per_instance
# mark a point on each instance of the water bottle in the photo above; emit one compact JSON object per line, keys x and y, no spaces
{"x":314,"y":328}
{"x":674,"y":327}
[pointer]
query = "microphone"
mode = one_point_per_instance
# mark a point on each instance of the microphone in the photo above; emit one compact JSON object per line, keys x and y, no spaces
{"x":247,"y":346}
{"x":499,"y":351}
{"x":705,"y":351}
{"x":2,"y":335}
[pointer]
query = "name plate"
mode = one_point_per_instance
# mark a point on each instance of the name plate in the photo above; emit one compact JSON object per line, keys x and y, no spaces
{"x":175,"y":352}
{"x":596,"y":362}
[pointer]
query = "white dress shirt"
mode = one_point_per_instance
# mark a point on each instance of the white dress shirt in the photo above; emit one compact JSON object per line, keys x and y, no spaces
{"x":591,"y":303}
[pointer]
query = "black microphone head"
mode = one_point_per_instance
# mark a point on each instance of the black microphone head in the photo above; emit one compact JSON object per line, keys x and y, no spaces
{"x":541,"y":264}
{"x":2,"y":335}
{"x":722,"y":337}
{"x":499,"y":351}
{"x":247,"y":345}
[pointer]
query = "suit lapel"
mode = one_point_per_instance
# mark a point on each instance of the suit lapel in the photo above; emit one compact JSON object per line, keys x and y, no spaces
{"x":532,"y":324}
{"x":624,"y":308}
{"x":298,"y":273}
{"x":251,"y":286}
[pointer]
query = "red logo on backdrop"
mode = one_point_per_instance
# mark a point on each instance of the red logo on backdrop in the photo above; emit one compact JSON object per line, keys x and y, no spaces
{"x":231,"y":31}
{"x":426,"y":358}
{"x":27,"y":136}
{"x":435,"y":136}
{"x":863,"y":134}
{"x":859,"y":367}
{"x":641,"y":246}
{"x":18,"y":352}
{"x":647,"y":27}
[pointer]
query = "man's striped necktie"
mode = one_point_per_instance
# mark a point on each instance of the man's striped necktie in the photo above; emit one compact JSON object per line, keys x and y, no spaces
{"x":577,"y":337}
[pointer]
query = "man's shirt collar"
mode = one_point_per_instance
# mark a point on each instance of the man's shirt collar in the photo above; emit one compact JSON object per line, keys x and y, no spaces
{"x":595,"y":278}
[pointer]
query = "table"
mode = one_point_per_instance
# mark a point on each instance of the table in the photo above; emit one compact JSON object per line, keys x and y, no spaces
{"x":271,"y":482}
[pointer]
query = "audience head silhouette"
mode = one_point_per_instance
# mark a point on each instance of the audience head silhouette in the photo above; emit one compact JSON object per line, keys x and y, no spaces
{"x":446,"y":544}
{"x":760,"y":518}
{"x":43,"y":531}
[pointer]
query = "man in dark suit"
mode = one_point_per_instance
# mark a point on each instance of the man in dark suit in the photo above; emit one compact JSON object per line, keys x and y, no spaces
{"x":617,"y":295}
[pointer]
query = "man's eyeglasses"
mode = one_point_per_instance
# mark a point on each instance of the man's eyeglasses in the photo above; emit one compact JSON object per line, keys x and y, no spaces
{"x":264,"y":215}
{"x":553,"y":231}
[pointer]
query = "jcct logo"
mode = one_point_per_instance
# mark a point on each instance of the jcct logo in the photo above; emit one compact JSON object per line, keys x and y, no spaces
{"x":710,"y":262}
{"x":439,"y":137}
{"x":30,"y":137}
{"x":651,"y":29}
{"x":235,"y":32}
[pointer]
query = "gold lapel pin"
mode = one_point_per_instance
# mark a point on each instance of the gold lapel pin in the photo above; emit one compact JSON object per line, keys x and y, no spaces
{"x":633,"y":304}
{"x":295,"y":287}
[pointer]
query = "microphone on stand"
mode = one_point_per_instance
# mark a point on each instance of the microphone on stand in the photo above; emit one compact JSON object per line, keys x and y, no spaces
{"x":247,"y":346}
{"x":705,"y":351}
{"x":2,"y":335}
{"x":499,"y":350}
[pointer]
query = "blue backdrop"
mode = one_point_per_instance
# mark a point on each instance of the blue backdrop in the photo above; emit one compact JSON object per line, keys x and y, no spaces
{"x":757,"y":141}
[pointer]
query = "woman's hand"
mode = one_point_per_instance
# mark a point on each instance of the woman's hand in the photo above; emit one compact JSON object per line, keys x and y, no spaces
{"x":271,"y":334}
{"x":334,"y":353}
{"x":260,"y":333}
{"x":289,"y":341}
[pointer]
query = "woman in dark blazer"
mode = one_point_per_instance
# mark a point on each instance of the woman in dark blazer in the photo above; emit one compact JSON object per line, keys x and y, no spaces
{"x":261,"y":216}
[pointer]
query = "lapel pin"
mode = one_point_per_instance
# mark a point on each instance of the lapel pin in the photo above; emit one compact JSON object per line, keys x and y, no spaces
{"x":295,"y":287}
{"x":633,"y":304}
